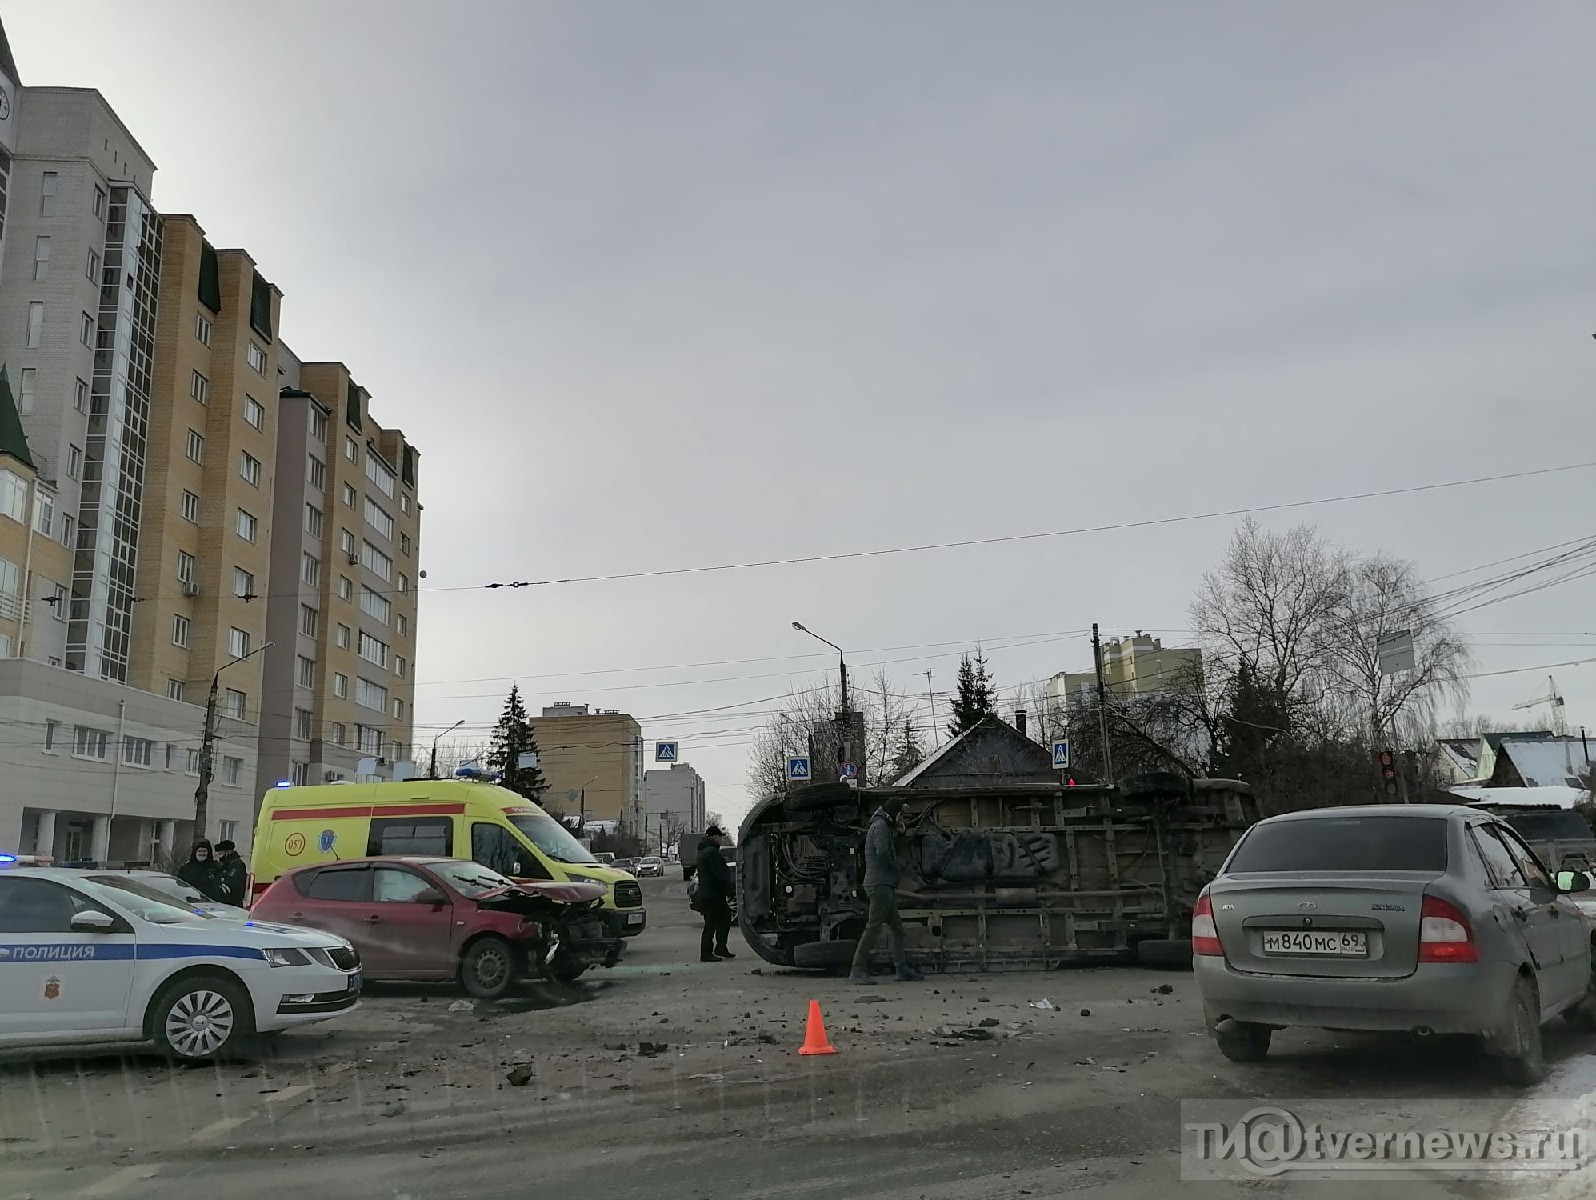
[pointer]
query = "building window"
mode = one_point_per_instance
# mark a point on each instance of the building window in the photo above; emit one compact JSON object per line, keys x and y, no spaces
{"x":138,"y":752}
{"x":49,"y":190}
{"x":243,"y":583}
{"x":337,"y":733}
{"x":309,"y":620}
{"x":346,"y":588}
{"x":378,"y":519}
{"x":202,"y":329}
{"x":313,"y":520}
{"x":233,"y":704}
{"x":246,"y":525}
{"x":27,"y":386}
{"x":342,"y":636}
{"x":69,"y":526}
{"x":228,"y":831}
{"x":43,"y":512}
{"x":196,"y":446}
{"x":91,"y":743}
{"x":307,"y":672}
{"x":190,"y":506}
{"x":376,"y":561}
{"x":256,"y":358}
{"x":346,"y":543}
{"x":41,"y":258}
{"x":237,"y":642}
{"x":317,"y":476}
{"x":199,"y":388}
{"x":175,"y":689}
{"x":318,"y":426}
{"x":299,"y":774}
{"x":310,"y":570}
{"x":371,"y":695}
{"x":349,"y":495}
{"x":302,"y":723}
{"x":52,"y":734}
{"x":35,"y":324}
{"x":404,"y":502}
{"x":404,"y":544}
{"x":375,"y":604}
{"x":99,"y":201}
{"x":402,"y":625}
{"x":398,"y":713}
{"x":373,"y":651}
{"x":341,"y":686}
{"x":249,"y":468}
{"x":180,"y":630}
{"x":185,"y":567}
{"x":400,"y":667}
{"x":58,"y":599}
{"x":232,"y":770}
{"x":80,"y":396}
{"x":86,"y":331}
{"x":13,"y":496}
{"x":74,"y":461}
{"x":351,"y":449}
{"x":369,"y":739}
{"x":379,"y":474}
{"x":254,"y":412}
{"x":10,"y":589}
{"x":193,"y":763}
{"x":404,"y":583}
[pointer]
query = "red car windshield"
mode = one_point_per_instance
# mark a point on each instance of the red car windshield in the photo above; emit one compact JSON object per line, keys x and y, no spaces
{"x":471,"y":880}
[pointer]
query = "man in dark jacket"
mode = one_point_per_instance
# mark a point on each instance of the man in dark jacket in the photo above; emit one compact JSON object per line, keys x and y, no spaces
{"x":881,"y":885}
{"x":714,"y":896}
{"x":199,"y":872}
{"x":232,"y":877}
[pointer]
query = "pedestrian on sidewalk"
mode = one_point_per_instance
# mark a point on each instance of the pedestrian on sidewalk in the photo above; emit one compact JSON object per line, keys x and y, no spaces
{"x":882,"y":874}
{"x":232,"y":877}
{"x":714,"y":896}
{"x":199,"y":872}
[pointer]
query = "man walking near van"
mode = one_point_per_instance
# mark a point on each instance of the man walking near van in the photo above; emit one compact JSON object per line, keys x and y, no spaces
{"x":881,"y":885}
{"x":713,"y":897}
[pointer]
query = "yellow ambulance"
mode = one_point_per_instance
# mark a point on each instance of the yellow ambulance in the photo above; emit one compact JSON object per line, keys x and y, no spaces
{"x":458,"y":818}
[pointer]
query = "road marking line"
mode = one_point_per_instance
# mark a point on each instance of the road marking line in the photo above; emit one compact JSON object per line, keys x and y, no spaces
{"x":288,"y":1093}
{"x":217,"y":1128}
{"x":117,"y":1180}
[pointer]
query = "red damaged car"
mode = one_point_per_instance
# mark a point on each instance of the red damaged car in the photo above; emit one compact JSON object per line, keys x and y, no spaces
{"x":441,"y":918}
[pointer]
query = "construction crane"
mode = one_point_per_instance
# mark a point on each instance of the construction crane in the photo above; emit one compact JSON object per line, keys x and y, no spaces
{"x":1559,"y":726}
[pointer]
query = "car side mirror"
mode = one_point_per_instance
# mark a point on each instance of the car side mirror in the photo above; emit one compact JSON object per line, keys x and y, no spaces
{"x":93,"y":921}
{"x":1571,"y":882}
{"x":433,"y":897}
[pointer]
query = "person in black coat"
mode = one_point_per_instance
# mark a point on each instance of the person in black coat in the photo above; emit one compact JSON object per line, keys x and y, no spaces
{"x":232,"y":876}
{"x":714,"y":896}
{"x":199,"y":872}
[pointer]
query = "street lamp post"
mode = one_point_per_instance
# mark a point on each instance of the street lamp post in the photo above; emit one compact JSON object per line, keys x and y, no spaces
{"x":841,"y":661}
{"x":432,"y":764}
{"x":208,"y":742}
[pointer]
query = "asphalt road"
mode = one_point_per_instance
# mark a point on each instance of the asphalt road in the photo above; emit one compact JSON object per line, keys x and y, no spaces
{"x":414,"y":1098}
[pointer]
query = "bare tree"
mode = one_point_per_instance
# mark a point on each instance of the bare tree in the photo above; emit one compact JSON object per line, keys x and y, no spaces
{"x":786,"y":732}
{"x":886,"y":727}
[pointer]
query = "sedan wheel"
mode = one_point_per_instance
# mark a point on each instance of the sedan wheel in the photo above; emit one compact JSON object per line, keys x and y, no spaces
{"x":201,"y":1018}
{"x":488,"y":969}
{"x":1519,"y":1043}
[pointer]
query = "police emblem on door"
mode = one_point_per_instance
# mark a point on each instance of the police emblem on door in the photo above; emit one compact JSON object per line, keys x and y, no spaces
{"x":327,"y":841}
{"x":52,"y":988}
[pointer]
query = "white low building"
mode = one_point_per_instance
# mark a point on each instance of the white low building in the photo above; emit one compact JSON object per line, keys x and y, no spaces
{"x":92,"y":771}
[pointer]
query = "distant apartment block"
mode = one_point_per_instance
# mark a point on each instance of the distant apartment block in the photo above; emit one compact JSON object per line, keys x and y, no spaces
{"x":593,"y":761}
{"x":673,"y":804}
{"x":1132,"y":666}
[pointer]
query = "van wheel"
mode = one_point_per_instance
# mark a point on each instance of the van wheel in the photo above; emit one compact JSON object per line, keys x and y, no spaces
{"x":1518,"y":1043}
{"x":487,"y":970}
{"x":201,"y":1017}
{"x":1243,"y":1042}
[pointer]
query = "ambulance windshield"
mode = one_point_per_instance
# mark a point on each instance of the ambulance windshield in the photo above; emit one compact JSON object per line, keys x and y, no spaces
{"x":549,"y":836}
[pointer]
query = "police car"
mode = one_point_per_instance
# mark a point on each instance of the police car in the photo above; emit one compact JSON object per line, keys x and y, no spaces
{"x":84,"y":962}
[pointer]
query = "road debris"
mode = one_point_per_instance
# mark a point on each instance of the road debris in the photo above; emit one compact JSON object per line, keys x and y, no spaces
{"x":1164,"y":989}
{"x":519,"y":1076}
{"x":462,"y":1006}
{"x":652,"y":1049}
{"x":1046,"y":1005}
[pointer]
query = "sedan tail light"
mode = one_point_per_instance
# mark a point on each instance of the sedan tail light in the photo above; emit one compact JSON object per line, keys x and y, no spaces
{"x":1204,"y":933}
{"x":1445,"y":935}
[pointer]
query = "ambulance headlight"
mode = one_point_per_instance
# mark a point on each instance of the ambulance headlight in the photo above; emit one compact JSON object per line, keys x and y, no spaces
{"x":287,"y":957}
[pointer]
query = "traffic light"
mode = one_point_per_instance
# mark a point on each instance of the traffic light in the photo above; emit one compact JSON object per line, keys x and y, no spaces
{"x":1388,"y":772}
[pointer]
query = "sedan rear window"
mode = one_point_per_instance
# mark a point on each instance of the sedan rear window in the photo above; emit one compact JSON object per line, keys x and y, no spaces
{"x":1394,"y":843}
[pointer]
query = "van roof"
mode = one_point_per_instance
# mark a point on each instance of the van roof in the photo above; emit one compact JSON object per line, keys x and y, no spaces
{"x":319,"y":795}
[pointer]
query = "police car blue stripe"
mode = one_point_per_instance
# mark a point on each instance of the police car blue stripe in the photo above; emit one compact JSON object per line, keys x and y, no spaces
{"x":37,"y":952}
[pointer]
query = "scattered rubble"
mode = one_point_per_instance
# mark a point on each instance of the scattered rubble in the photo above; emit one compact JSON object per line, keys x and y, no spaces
{"x":519,"y":1076}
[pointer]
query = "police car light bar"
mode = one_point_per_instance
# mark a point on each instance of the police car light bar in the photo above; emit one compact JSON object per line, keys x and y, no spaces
{"x":25,"y":860}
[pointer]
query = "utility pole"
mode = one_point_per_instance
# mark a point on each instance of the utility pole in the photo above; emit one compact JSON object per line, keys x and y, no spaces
{"x":432,"y":763}
{"x":208,"y":743}
{"x":1102,"y":708}
{"x":931,"y":698}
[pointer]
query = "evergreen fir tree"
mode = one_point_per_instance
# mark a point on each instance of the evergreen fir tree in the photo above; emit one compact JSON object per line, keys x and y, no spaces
{"x":973,"y":699}
{"x":512,"y":737}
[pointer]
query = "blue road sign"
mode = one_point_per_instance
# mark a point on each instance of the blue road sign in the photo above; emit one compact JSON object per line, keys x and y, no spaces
{"x":798,"y":769}
{"x":1061,"y":756}
{"x":665,"y":751}
{"x":849,"y":771}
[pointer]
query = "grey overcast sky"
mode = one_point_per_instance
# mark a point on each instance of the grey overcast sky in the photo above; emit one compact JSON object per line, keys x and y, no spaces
{"x":668,"y":284}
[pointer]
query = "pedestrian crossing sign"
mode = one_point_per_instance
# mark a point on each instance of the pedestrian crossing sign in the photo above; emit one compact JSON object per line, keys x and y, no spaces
{"x":798,"y":769}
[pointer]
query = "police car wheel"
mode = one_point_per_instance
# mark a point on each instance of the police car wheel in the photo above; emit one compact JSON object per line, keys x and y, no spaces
{"x":201,"y":1017}
{"x":488,"y":969}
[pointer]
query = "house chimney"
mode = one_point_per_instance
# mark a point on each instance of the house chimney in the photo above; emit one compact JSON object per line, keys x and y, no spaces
{"x":1019,"y":720}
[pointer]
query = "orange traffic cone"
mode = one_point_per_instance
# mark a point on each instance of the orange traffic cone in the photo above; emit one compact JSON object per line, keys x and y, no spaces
{"x":815,"y":1039}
